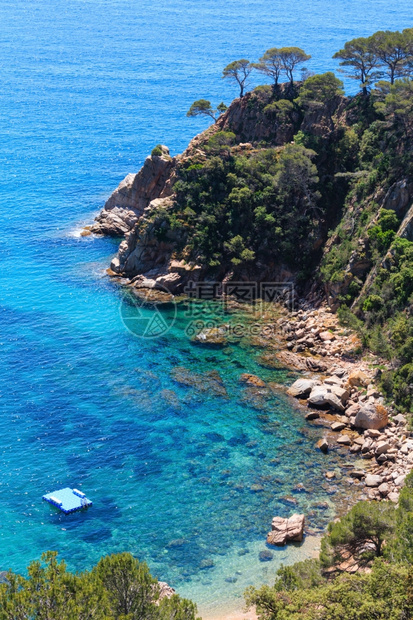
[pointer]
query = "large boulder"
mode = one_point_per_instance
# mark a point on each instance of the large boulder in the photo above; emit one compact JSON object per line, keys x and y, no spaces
{"x":371,"y":416}
{"x":399,"y":197}
{"x":340,"y":392}
{"x":373,"y":480}
{"x":323,"y":396}
{"x":301,"y":387}
{"x":286,"y":530}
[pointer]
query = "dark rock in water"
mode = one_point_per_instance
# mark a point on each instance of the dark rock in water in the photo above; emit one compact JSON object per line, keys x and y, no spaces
{"x":205,"y":564}
{"x":225,"y":473}
{"x":243,"y":552}
{"x":312,"y":415}
{"x":215,"y":437}
{"x":265,"y":556}
{"x":252,"y":444}
{"x":238,"y":441}
{"x":94,"y":536}
{"x":357,"y":473}
{"x":231,"y":579}
{"x":322,"y":445}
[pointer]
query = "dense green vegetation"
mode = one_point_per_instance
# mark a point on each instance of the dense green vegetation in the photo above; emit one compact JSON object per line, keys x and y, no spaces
{"x":234,"y":204}
{"x":118,"y":587}
{"x":381,"y":294}
{"x":379,"y":537}
{"x":310,"y":193}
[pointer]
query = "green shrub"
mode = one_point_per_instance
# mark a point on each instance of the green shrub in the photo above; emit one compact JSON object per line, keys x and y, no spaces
{"x":157,"y":150}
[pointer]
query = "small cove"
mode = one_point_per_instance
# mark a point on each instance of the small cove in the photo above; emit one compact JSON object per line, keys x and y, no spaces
{"x":183,"y":477}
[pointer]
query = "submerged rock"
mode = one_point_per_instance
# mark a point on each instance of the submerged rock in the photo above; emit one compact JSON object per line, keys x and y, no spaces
{"x":213,"y":335}
{"x":265,"y":556}
{"x":205,"y":564}
{"x":252,"y":380}
{"x":210,"y":382}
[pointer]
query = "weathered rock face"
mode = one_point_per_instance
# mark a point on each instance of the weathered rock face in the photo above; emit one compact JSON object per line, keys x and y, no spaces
{"x":251,"y":123}
{"x":286,"y":530}
{"x":399,"y":197}
{"x":126,"y":205}
{"x":371,"y":416}
{"x":406,"y":229}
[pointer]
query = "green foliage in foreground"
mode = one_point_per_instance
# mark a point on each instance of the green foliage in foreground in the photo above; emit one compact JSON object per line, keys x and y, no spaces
{"x":118,"y":587}
{"x":378,"y":534}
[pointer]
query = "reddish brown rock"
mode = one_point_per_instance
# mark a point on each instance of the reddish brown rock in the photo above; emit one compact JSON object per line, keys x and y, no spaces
{"x":371,"y":416}
{"x":252,"y":380}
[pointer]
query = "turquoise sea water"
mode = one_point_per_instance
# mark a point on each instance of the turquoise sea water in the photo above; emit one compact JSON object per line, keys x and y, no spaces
{"x":88,"y":88}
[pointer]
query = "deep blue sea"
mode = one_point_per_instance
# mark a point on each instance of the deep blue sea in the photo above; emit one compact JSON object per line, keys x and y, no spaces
{"x":184,"y":478}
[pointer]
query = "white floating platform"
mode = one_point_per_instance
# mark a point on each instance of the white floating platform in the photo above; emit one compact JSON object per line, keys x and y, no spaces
{"x":68,"y":500}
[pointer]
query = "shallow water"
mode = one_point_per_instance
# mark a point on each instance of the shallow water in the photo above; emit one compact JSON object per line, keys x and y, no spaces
{"x":88,"y":88}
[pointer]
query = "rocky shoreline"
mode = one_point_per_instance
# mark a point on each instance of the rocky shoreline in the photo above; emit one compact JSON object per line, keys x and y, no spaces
{"x":347,"y":390}
{"x":338,"y":389}
{"x":339,"y":384}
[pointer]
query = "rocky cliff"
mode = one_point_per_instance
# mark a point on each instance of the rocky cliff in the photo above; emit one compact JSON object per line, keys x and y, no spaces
{"x":150,"y":252}
{"x":126,"y":205}
{"x":318,"y":231}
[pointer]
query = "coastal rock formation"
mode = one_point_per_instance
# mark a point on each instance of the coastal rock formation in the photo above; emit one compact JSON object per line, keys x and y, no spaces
{"x":286,"y":530}
{"x":125,"y":206}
